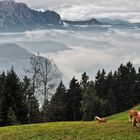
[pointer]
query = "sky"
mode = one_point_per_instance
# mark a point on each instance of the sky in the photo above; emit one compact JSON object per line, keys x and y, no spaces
{"x":85,"y":9}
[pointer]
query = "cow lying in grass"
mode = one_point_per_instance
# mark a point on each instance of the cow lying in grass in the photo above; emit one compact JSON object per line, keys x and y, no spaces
{"x":134,"y":116}
{"x":100,"y":120}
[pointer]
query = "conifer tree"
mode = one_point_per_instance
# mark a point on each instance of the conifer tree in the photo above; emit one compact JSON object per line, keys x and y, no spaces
{"x":137,"y":89}
{"x":33,"y":105}
{"x":100,"y":84}
{"x":90,"y":103}
{"x":59,"y":104}
{"x":126,"y":77}
{"x":14,"y":102}
{"x":75,"y":97}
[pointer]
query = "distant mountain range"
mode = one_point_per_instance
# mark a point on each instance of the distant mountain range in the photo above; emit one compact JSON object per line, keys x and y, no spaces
{"x":84,"y":22}
{"x":15,"y":16}
{"x":14,"y":55}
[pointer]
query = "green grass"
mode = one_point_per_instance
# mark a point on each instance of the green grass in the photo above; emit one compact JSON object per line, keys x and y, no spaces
{"x":121,"y":116}
{"x":117,"y":128}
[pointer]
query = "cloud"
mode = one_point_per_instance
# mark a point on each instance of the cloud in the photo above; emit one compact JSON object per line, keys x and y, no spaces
{"x":78,"y":60}
{"x":89,"y":50}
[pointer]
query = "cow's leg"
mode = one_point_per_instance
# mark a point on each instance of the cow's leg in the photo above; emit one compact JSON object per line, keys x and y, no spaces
{"x":134,"y":122}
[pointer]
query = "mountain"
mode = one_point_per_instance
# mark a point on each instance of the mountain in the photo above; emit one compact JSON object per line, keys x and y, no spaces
{"x":13,"y":52}
{"x":92,"y":21}
{"x":14,"y":55}
{"x":14,"y":15}
{"x":107,"y":21}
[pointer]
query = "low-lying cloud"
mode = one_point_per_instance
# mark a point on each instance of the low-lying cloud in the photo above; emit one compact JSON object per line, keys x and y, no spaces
{"x":86,"y":51}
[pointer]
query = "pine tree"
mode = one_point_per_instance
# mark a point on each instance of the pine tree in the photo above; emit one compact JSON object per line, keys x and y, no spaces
{"x":34,"y":112}
{"x":137,"y":89}
{"x":111,"y":104}
{"x":33,"y":105}
{"x":75,"y":97}
{"x":84,"y":80}
{"x":2,"y":85}
{"x":126,"y":77}
{"x":59,"y":104}
{"x":90,"y":103}
{"x":14,"y":102}
{"x":100,"y":84}
{"x":46,"y":112}
{"x":20,"y":105}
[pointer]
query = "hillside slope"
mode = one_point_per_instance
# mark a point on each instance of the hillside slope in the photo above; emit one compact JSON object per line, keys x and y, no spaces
{"x":116,"y":129}
{"x":121,"y":116}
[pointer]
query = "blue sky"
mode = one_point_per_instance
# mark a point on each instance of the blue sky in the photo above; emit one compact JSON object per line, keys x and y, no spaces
{"x":84,"y":9}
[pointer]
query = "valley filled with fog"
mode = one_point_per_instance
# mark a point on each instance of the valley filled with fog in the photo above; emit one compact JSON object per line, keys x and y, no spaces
{"x":75,"y":50}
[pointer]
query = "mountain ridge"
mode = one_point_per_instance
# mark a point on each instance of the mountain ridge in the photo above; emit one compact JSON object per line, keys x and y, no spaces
{"x":18,"y":15}
{"x":91,"y":21}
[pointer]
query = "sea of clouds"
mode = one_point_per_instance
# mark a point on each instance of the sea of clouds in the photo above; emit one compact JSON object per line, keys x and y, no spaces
{"x":78,"y":51}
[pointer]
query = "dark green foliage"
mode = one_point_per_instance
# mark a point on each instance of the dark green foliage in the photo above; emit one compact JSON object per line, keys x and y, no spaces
{"x":74,"y":97}
{"x":100,"y":80}
{"x":34,"y":113}
{"x":58,"y":105}
{"x":33,"y":105}
{"x":111,"y":103}
{"x":126,"y":81}
{"x":13,"y":102}
{"x":46,"y":111}
{"x":109,"y":94}
{"x":89,"y":102}
{"x":137,"y":89}
{"x":84,"y":80}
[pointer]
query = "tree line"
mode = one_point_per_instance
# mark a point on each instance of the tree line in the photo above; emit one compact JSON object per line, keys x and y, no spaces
{"x":108,"y":94}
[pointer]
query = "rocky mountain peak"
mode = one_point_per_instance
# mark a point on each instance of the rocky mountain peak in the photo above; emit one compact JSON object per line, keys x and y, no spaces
{"x":19,"y":15}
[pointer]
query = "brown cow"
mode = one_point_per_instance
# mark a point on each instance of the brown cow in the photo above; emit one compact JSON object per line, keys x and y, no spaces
{"x":100,"y":120}
{"x":132,"y":113}
{"x":135,"y":120}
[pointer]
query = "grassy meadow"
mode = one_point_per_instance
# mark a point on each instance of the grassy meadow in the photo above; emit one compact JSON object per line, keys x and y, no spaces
{"x":117,"y":128}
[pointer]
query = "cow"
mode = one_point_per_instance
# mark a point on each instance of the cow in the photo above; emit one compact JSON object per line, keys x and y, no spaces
{"x":132,"y":113}
{"x":135,"y":120}
{"x":100,"y":120}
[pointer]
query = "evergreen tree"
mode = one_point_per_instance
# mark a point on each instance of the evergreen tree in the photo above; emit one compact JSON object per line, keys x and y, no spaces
{"x":59,"y":104}
{"x":100,"y":84}
{"x":126,"y":77}
{"x":111,"y":104}
{"x":34,"y":112}
{"x":90,"y":104}
{"x":46,"y":112}
{"x":20,"y":105}
{"x":33,"y":105}
{"x":14,"y":102}
{"x":2,"y":86}
{"x":75,"y":97}
{"x":84,"y":80}
{"x":137,"y":89}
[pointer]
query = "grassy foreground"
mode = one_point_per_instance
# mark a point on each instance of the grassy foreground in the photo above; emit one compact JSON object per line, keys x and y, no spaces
{"x":117,"y":128}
